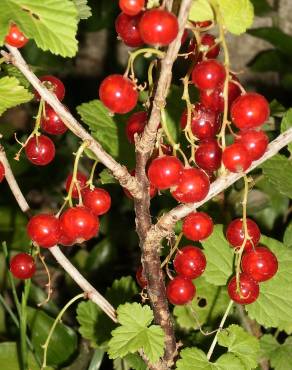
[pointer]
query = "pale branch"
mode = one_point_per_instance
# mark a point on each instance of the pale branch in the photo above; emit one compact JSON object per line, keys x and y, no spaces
{"x":119,"y":172}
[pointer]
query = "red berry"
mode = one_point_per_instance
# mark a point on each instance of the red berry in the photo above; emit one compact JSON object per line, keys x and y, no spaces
{"x":52,"y":123}
{"x":236,"y":158}
{"x":22,"y":266}
{"x":15,"y":37}
{"x":44,"y":230}
{"x":81,"y":179}
{"x":40,"y":150}
{"x":180,"y":290}
{"x":118,"y":94}
{"x":158,"y":27}
{"x":235,"y":233}
{"x":2,"y":172}
{"x":53,"y":84}
{"x":208,"y":43}
{"x":66,"y":239}
{"x":193,"y":186}
{"x":141,"y":280}
{"x":164,"y":172}
{"x":208,"y":74}
{"x":190,"y":262}
{"x":98,"y":200}
{"x":208,"y":155}
{"x":259,"y":263}
{"x":131,"y":7}
{"x":135,"y":125}
{"x":202,"y":24}
{"x":80,"y":223}
{"x":249,"y":289}
{"x":184,"y":36}
{"x":197,"y":226}
{"x":127,"y":28}
{"x":255,"y":142}
{"x":250,"y":110}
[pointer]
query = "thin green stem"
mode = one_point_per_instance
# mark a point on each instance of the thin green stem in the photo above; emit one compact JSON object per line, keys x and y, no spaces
{"x":23,"y":325}
{"x":172,"y":251}
{"x":90,"y":180}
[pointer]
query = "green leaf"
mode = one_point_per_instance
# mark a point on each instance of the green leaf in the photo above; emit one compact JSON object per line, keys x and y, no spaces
{"x":135,"y":333}
{"x":230,"y":362}
{"x":106,"y":177}
{"x":51,"y":23}
{"x":287,"y":240}
{"x":201,"y":10}
{"x":286,"y":123}
{"x":278,"y":354}
{"x":135,"y":362}
{"x":261,"y":7}
{"x":12,"y":71}
{"x":269,"y":60}
{"x":12,"y":93}
{"x":97,"y":359}
{"x":84,"y":10}
{"x":174,"y":109}
{"x":276,"y":108}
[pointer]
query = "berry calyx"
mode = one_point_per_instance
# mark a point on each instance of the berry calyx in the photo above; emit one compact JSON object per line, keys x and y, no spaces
{"x":249,"y":289}
{"x":208,"y":155}
{"x":164,"y":172}
{"x":140,"y":277}
{"x":208,"y":44}
{"x":98,"y":200}
{"x":51,"y":122}
{"x":135,"y":125}
{"x":2,"y":172}
{"x":255,"y":142}
{"x":54,"y":85}
{"x":208,"y":74}
{"x":235,"y":233}
{"x":180,"y":290}
{"x":44,"y":230}
{"x":22,"y":266}
{"x":81,"y":179}
{"x":40,"y":150}
{"x":197,"y":226}
{"x":118,"y":94}
{"x":127,"y":28}
{"x":15,"y":37}
{"x":236,"y":158}
{"x":190,"y":262}
{"x":131,"y":7}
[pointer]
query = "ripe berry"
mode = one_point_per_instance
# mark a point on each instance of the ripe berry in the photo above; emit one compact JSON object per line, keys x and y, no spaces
{"x":193,"y":186}
{"x":15,"y":37}
{"x":158,"y":27}
{"x":180,"y":290}
{"x":80,"y":223}
{"x":135,"y":125}
{"x":197,"y":226}
{"x":2,"y":172}
{"x":208,"y":44}
{"x":208,"y":155}
{"x":118,"y":94}
{"x":259,"y":263}
{"x":131,"y":7}
{"x":66,"y":239}
{"x":22,"y":266}
{"x":249,"y":289}
{"x":53,"y":84}
{"x":190,"y":262}
{"x":250,"y":110}
{"x":235,"y":233}
{"x":40,"y":150}
{"x":208,"y":74}
{"x":52,"y":123}
{"x":127,"y":28}
{"x":98,"y":200}
{"x":81,"y":179}
{"x":236,"y":158}
{"x":44,"y":230}
{"x":140,"y":277}
{"x":164,"y":172}
{"x":255,"y":142}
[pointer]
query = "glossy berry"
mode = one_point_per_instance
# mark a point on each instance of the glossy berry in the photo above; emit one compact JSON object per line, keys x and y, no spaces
{"x":141,"y":280}
{"x":152,"y":188}
{"x":208,"y":155}
{"x":249,"y":289}
{"x":51,"y":123}
{"x":236,"y":158}
{"x":164,"y":172}
{"x":22,"y":266}
{"x":158,"y":27}
{"x":15,"y":37}
{"x":190,"y":262}
{"x":81,"y":179}
{"x":127,"y":28}
{"x":40,"y":150}
{"x":118,"y":94}
{"x":193,"y":186}
{"x":135,"y":125}
{"x":208,"y":74}
{"x":249,"y":111}
{"x":180,"y":290}
{"x":255,"y":142}
{"x":259,"y":263}
{"x":197,"y":226}
{"x":44,"y":230}
{"x":53,"y":84}
{"x":131,"y":7}
{"x":80,"y":223}
{"x":66,"y":240}
{"x":208,"y":45}
{"x":235,"y":233}
{"x":98,"y":200}
{"x":2,"y":172}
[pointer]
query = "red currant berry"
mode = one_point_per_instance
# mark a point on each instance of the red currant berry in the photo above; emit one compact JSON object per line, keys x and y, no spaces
{"x":131,"y":7}
{"x":44,"y":230}
{"x":202,"y":24}
{"x":180,"y":290}
{"x":190,"y":262}
{"x":81,"y":179}
{"x":236,"y":158}
{"x":184,"y":36}
{"x":259,"y":263}
{"x":22,"y":266}
{"x":98,"y":200}
{"x":135,"y":125}
{"x":164,"y":172}
{"x":208,"y":74}
{"x":2,"y":172}
{"x":53,"y":84}
{"x":66,"y":240}
{"x":249,"y":289}
{"x":235,"y":233}
{"x":152,"y":188}
{"x":15,"y":37}
{"x":40,"y":150}
{"x":255,"y":142}
{"x":118,"y":94}
{"x":197,"y":226}
{"x":127,"y":28}
{"x":250,"y":110}
{"x":208,"y":44}
{"x":141,"y":280}
{"x":193,"y":186}
{"x":158,"y":27}
{"x":208,"y":155}
{"x":52,"y":123}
